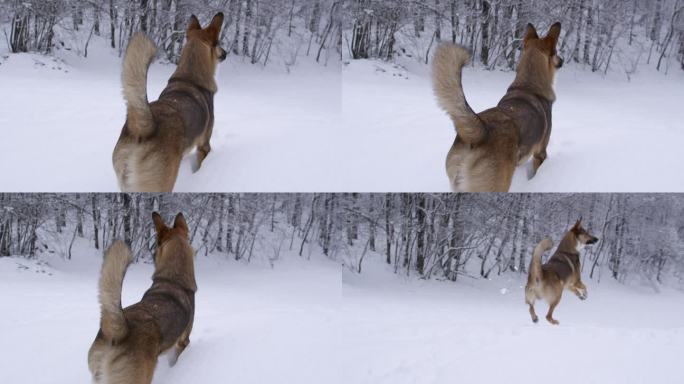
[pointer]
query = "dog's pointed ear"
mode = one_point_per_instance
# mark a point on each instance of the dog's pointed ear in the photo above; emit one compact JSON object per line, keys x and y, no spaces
{"x":554,"y":34}
{"x":530,"y":33}
{"x":180,"y":223}
{"x":215,"y":26}
{"x":578,"y":223}
{"x":159,"y":225}
{"x":194,"y":23}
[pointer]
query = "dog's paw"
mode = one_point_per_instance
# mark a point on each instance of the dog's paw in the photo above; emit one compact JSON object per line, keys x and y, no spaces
{"x":535,"y":320}
{"x":173,"y":359}
{"x":194,"y":164}
{"x":531,"y":172}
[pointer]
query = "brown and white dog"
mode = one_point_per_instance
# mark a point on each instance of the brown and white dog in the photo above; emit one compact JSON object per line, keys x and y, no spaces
{"x":562,"y":271}
{"x":157,"y":135}
{"x":129,"y":341}
{"x":489,"y":145}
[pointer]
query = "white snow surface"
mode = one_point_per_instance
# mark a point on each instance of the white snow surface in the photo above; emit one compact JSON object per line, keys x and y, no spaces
{"x":304,"y":322}
{"x":608,"y":135}
{"x":361,"y":126}
{"x":61,"y":117}
{"x":253,"y":324}
{"x":400,"y":330}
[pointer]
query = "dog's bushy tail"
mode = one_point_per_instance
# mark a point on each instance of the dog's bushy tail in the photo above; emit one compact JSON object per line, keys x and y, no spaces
{"x":447,"y":65}
{"x":139,"y":55}
{"x":116,"y":261}
{"x":535,"y":264}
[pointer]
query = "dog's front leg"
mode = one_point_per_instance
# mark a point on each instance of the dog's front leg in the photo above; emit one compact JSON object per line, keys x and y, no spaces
{"x":580,"y":290}
{"x":537,"y":161}
{"x":203,"y":149}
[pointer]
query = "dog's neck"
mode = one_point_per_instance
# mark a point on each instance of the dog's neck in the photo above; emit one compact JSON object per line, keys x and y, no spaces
{"x":533,"y":74}
{"x":569,"y":244}
{"x":175,"y":263}
{"x":197,"y":66}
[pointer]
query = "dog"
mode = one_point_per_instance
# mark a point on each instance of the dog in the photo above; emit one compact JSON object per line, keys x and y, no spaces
{"x":157,"y":135}
{"x":561,"y":271}
{"x":491,"y":144}
{"x":129,"y":341}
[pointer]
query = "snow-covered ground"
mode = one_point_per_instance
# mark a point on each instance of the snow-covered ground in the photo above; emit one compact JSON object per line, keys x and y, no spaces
{"x":253,"y":324}
{"x":365,"y":126}
{"x":401,"y":330}
{"x":609,"y":135}
{"x":61,"y":117}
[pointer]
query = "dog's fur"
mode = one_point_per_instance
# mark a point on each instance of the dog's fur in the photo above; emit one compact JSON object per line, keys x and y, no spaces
{"x":126,"y":348}
{"x":561,"y":271}
{"x":157,"y":135}
{"x":490,"y":145}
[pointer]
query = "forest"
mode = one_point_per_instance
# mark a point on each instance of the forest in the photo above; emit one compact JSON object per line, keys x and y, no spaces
{"x":253,"y":29}
{"x":597,"y":34}
{"x":438,"y":236}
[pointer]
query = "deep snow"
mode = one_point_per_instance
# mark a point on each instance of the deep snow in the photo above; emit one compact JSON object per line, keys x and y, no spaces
{"x":401,"y":330}
{"x":253,"y":324}
{"x":61,"y":117}
{"x":609,"y":135}
{"x":362,"y":126}
{"x":304,"y":322}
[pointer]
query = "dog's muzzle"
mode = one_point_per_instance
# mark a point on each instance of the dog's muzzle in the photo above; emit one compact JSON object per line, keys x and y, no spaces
{"x":593,"y":240}
{"x":223,"y":55}
{"x":559,"y":62}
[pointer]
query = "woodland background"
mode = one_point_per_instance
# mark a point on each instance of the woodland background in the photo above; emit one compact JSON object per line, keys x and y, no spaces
{"x":438,"y":236}
{"x":252,"y":29}
{"x":597,"y":34}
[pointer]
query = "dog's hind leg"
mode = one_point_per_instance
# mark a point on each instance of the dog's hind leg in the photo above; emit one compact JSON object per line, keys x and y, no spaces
{"x":532,"y":313}
{"x":549,"y":315}
{"x":530,"y":297}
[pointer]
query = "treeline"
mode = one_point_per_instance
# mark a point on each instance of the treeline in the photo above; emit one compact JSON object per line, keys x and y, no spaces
{"x":596,"y":33}
{"x":442,"y":236}
{"x":480,"y":235}
{"x":253,"y":29}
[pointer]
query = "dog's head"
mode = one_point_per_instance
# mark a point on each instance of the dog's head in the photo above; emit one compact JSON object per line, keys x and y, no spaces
{"x":208,"y":36}
{"x":176,"y":236}
{"x":174,"y":256}
{"x":545,"y":46}
{"x":582,"y":235}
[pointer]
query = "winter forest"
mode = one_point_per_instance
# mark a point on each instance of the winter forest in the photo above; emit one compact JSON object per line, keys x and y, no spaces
{"x":432,"y":236}
{"x":252,"y":29}
{"x":597,"y":34}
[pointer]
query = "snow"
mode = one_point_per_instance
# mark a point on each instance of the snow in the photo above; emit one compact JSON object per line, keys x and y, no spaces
{"x":609,"y":135}
{"x":253,"y":324}
{"x":61,"y":117}
{"x":404,"y":330}
{"x":361,"y":126}
{"x":303,"y":322}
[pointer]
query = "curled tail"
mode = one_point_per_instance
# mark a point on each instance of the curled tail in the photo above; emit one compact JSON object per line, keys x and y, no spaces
{"x":535,"y":264}
{"x":116,"y":261}
{"x":139,"y":55}
{"x":447,"y":64}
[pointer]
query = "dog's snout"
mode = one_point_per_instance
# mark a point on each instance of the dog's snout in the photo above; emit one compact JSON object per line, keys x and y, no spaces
{"x":593,"y":240}
{"x":560,"y":62}
{"x":223,"y":55}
